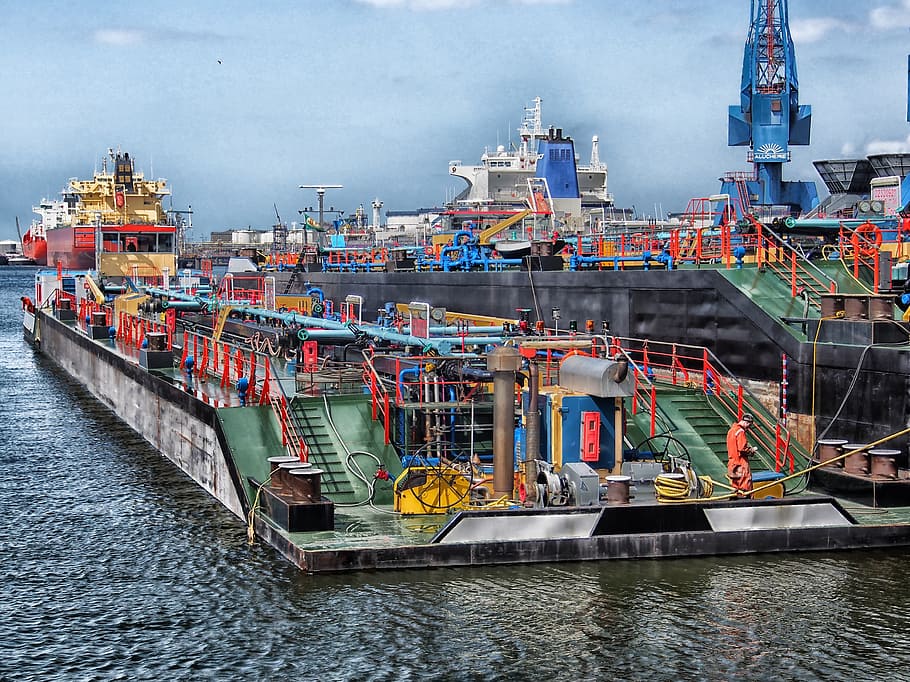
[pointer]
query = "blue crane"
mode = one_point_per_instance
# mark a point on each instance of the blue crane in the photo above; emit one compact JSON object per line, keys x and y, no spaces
{"x":769,"y":117}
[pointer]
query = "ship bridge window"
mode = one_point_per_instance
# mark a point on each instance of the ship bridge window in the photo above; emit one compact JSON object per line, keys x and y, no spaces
{"x":138,"y":242}
{"x":165,"y":243}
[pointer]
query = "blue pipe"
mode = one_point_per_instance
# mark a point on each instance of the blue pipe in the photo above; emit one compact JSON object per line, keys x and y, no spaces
{"x":170,"y":293}
{"x":447,"y":263}
{"x":326,"y":335}
{"x":402,"y":417}
{"x":415,"y":371}
{"x":464,"y":233}
{"x":443,"y":345}
{"x":452,"y":415}
{"x":645,"y":257}
{"x":191,"y":306}
{"x":315,"y":290}
{"x":291,"y":318}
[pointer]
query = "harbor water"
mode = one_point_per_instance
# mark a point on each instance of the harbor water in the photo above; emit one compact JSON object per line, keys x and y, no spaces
{"x":116,"y":566}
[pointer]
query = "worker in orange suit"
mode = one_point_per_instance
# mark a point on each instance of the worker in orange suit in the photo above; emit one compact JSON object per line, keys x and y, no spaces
{"x":738,"y":451}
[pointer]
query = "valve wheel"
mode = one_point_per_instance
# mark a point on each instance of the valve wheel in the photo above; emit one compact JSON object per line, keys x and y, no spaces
{"x":662,"y":447}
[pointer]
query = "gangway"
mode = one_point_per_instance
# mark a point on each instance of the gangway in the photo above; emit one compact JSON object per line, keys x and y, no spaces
{"x":488,"y":233}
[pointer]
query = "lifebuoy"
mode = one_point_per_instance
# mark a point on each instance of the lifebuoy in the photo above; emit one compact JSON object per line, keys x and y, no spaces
{"x":903,"y":231}
{"x":865,"y":236}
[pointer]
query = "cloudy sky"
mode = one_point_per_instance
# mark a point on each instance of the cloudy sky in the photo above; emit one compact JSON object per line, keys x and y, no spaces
{"x":237,"y":103}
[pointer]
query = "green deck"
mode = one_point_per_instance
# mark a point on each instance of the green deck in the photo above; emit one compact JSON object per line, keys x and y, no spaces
{"x":775,"y":296}
{"x":698,"y":420}
{"x":253,"y":435}
{"x":700,"y":424}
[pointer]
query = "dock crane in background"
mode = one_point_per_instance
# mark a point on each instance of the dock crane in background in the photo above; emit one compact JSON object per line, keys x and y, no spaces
{"x":769,"y":118}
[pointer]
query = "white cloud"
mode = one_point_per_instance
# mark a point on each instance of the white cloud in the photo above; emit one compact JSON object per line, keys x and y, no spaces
{"x":895,"y":16}
{"x":888,"y":146}
{"x":815,"y":29}
{"x":119,"y":37}
{"x":847,"y":149}
{"x":128,"y":37}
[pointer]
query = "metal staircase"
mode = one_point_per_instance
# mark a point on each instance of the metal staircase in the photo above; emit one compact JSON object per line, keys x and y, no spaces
{"x":684,"y":392}
{"x":701,"y":424}
{"x":697,"y":426}
{"x":291,"y":281}
{"x":324,"y":452}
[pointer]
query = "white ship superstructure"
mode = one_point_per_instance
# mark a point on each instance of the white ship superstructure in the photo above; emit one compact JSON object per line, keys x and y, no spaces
{"x":502,"y":176}
{"x":52,"y":213}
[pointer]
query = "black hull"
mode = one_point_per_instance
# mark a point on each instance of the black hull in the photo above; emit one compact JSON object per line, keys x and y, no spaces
{"x":862,"y":489}
{"x":697,"y":307}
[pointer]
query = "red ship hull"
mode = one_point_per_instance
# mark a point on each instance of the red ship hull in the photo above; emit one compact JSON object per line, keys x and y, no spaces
{"x":72,"y":247}
{"x":34,"y":248}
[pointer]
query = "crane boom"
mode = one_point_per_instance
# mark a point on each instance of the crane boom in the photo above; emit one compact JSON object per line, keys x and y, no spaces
{"x":769,"y":117}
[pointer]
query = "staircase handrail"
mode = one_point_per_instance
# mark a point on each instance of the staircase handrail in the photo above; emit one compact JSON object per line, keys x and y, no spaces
{"x":719,"y":381}
{"x":646,"y":397}
{"x":864,"y":250}
{"x":294,"y":443}
{"x":826,"y":283}
{"x":380,"y":400}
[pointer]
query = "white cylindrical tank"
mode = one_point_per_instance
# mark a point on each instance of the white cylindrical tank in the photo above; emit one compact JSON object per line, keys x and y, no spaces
{"x":242,"y":237}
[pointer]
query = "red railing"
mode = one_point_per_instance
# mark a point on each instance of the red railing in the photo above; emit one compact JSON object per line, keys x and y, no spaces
{"x":356,"y":259}
{"x":290,"y":438}
{"x":132,"y":329}
{"x":778,"y":257}
{"x":862,"y":245}
{"x":656,"y":363}
{"x":380,"y":398}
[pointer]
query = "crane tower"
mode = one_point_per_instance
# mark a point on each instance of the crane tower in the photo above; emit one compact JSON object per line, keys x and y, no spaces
{"x":769,"y":118}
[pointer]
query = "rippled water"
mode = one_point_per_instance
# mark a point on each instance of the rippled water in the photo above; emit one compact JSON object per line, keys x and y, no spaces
{"x":116,"y":566}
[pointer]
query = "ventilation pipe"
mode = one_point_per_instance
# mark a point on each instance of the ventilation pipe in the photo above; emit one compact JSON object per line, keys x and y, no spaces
{"x":504,"y":362}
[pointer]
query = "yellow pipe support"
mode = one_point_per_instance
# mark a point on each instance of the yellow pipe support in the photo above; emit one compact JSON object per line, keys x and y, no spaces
{"x":490,"y":232}
{"x":96,"y":291}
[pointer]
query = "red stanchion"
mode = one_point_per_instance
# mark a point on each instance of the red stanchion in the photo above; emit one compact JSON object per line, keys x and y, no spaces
{"x":252,"y":389}
{"x":265,"y":393}
{"x":226,"y":376}
{"x":186,"y":350}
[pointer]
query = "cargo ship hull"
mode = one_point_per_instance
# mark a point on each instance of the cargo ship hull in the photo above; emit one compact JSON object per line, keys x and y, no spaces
{"x":72,"y":247}
{"x":182,"y":428}
{"x":194,"y":436}
{"x":701,"y":307}
{"x":34,"y":248}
